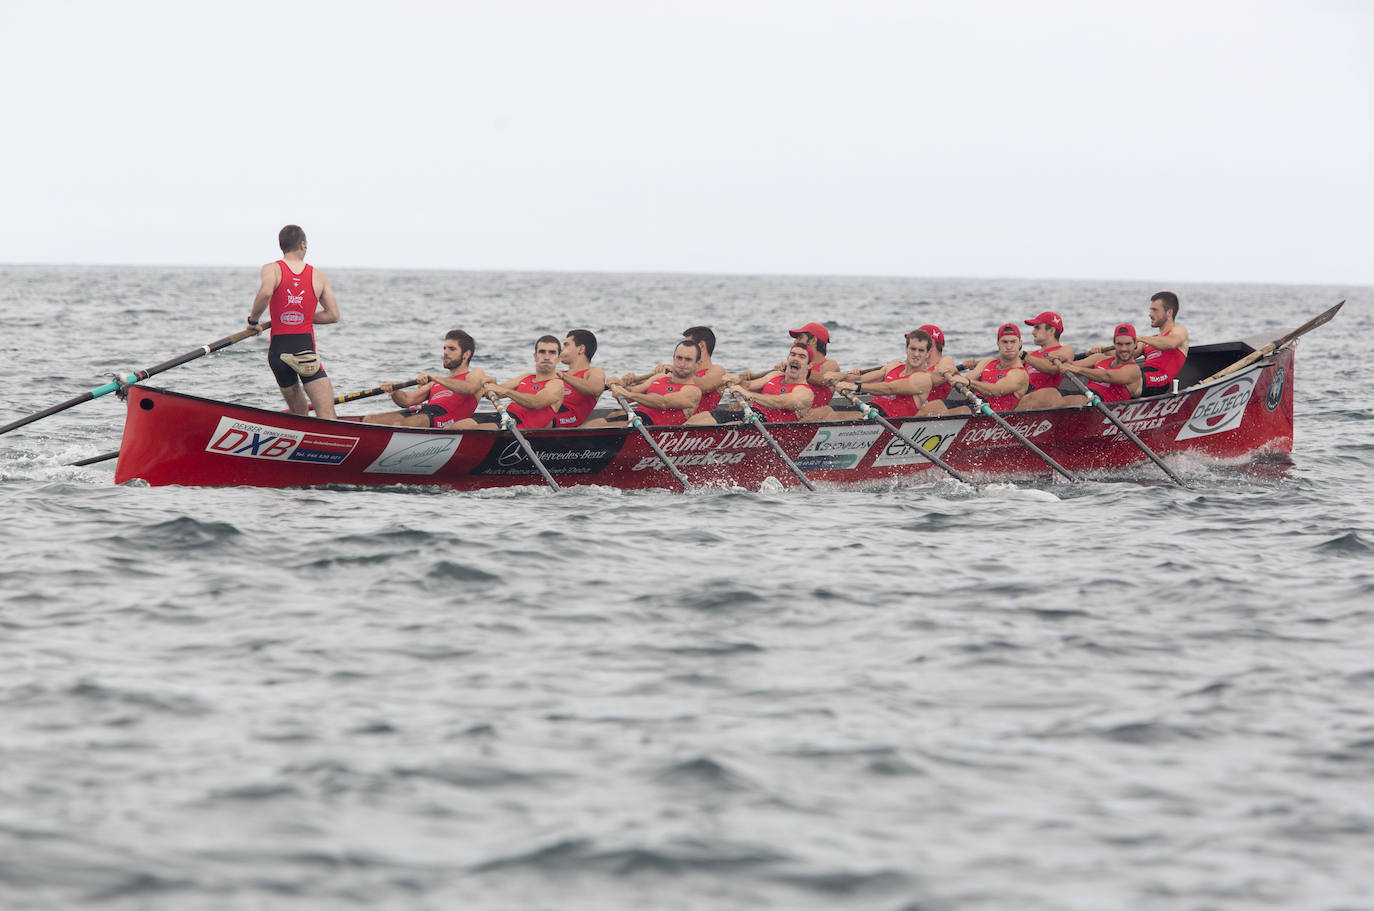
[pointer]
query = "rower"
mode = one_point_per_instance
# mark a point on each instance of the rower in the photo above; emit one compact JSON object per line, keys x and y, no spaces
{"x":664,"y":399}
{"x":1115,"y":377}
{"x":534,"y":396}
{"x":777,"y":395}
{"x":1042,"y":365}
{"x":939,"y":365}
{"x":583,"y":383}
{"x":899,"y":387}
{"x":1165,"y":352}
{"x":815,"y":338}
{"x":447,"y":399}
{"x":1001,"y":379}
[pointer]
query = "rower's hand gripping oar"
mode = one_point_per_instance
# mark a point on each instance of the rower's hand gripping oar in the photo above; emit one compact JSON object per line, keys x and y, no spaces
{"x":1096,"y":401}
{"x":508,"y":423}
{"x":872,"y":414}
{"x":638,"y":423}
{"x":128,"y":379}
{"x":752,"y":418}
{"x":1319,"y":320}
{"x":978,"y":406}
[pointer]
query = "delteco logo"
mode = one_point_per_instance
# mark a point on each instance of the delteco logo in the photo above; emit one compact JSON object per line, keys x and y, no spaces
{"x":1221,"y":409}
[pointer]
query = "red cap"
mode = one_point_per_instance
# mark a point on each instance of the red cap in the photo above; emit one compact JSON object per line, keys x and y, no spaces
{"x":1009,"y":329}
{"x":1124,"y":329}
{"x":1048,"y":318}
{"x":935,"y":334}
{"x":815,"y":329}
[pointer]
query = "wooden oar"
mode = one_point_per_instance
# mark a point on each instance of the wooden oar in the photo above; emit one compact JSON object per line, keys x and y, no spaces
{"x":638,"y":423}
{"x":1096,"y":401}
{"x":981,"y":407}
{"x":1319,"y":320}
{"x":872,"y":414}
{"x":129,"y":378}
{"x":508,"y":423}
{"x":752,"y":418}
{"x":338,"y":400}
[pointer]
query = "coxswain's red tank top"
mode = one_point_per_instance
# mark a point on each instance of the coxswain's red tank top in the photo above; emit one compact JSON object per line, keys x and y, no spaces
{"x":1162,"y":365}
{"x":1111,"y":392}
{"x":941,"y":392}
{"x":293,"y":304}
{"x":993,"y":373}
{"x":577,"y":404}
{"x":532,"y":419}
{"x":665,"y":417}
{"x":1039,"y":379}
{"x":456,"y":407}
{"x":896,"y":406}
{"x":776,"y":386}
{"x":821,"y":394}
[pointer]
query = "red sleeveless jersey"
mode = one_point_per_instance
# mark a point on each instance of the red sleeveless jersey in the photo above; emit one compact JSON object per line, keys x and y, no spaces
{"x":776,"y":386}
{"x":938,"y":393}
{"x":993,"y":373}
{"x":709,"y":400}
{"x":1039,"y":379}
{"x":821,"y":394}
{"x":896,"y":406}
{"x":293,"y":304}
{"x":456,"y":407}
{"x":532,"y":418}
{"x":666,"y":384}
{"x":1162,"y":364}
{"x":1111,"y":392}
{"x":577,"y":405}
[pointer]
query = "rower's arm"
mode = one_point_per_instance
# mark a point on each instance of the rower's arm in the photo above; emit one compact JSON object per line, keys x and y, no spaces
{"x":801,"y":397}
{"x":550,"y":395}
{"x":816,"y":375}
{"x":470,"y":385}
{"x":329,"y":304}
{"x":594,"y":383}
{"x":271,"y":274}
{"x":1125,"y":376}
{"x":1016,"y":381}
{"x":713,"y":380}
{"x":407,"y":397}
{"x":757,"y":383}
{"x":918,"y":384}
{"x":1050,"y":365}
{"x":1176,"y":337}
{"x":685,"y":398}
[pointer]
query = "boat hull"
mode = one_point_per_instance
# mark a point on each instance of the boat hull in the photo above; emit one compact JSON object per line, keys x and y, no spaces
{"x":173,"y":438}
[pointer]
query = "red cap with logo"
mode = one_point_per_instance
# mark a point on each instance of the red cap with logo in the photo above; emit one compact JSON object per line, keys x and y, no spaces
{"x":815,"y":329}
{"x":935,"y":334}
{"x":1009,"y":329}
{"x":1048,"y":318}
{"x":1124,"y":329}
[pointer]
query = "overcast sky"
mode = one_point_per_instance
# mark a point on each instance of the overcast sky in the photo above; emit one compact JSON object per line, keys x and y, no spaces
{"x":1169,"y":141}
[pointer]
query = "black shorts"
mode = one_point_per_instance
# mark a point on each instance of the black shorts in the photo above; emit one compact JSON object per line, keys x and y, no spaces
{"x":727,"y":415}
{"x":433,"y":412}
{"x":296,"y":343}
{"x":1154,"y":381}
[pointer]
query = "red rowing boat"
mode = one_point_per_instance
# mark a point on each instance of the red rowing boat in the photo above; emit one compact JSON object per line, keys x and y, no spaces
{"x":173,"y":438}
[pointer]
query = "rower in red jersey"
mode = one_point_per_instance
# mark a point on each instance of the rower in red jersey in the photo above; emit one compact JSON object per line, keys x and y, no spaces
{"x":1165,"y":352}
{"x":438,"y":401}
{"x":940,"y":366}
{"x":1042,"y":365}
{"x":815,"y":338}
{"x":710,"y":376}
{"x":899,"y":387}
{"x":777,"y":395}
{"x":665,"y":399}
{"x":1115,"y":377}
{"x":583,"y":383}
{"x":534,"y":397}
{"x":1000,"y":380}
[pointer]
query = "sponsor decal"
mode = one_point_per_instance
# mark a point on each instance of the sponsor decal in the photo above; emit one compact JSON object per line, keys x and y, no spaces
{"x":259,"y":441}
{"x":415,"y":453}
{"x":295,"y":299}
{"x":560,"y":455}
{"x":1275,"y":393}
{"x":704,"y":448}
{"x":1221,"y":409}
{"x":992,"y":432}
{"x":291,"y":318}
{"x":838,"y":447}
{"x":1142,"y":416}
{"x":935,"y":437}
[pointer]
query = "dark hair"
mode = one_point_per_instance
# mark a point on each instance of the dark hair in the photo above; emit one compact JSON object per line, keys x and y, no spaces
{"x":699,"y":335}
{"x":921,"y":335}
{"x":820,"y":343}
{"x":688,"y":343}
{"x":546,"y":338}
{"x":290,"y":237}
{"x":585,"y":338}
{"x":465,"y":343}
{"x":1170,"y":301}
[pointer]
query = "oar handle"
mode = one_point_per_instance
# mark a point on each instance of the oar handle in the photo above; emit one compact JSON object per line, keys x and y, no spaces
{"x":375,"y":390}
